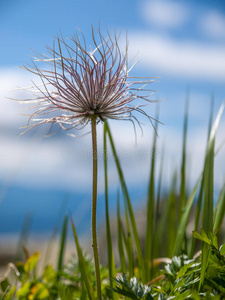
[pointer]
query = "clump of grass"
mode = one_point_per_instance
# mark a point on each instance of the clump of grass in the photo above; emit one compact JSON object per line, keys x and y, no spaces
{"x":176,"y":271}
{"x":86,"y":87}
{"x":169,"y":266}
{"x":177,"y":232}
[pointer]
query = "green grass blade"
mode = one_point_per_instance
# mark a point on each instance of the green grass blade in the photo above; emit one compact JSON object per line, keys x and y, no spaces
{"x":156,"y":238}
{"x":219,"y":211}
{"x":161,"y":228}
{"x":129,"y":251}
{"x":83,"y":270}
{"x":24,"y":235}
{"x":207,"y":214}
{"x":131,"y":213}
{"x":55,"y":230}
{"x":62,"y":243}
{"x":183,"y":164}
{"x":184,"y":220}
{"x":211,"y":115}
{"x":120,"y":239}
{"x":111,"y":262}
{"x":172,"y":218}
{"x":200,"y":197}
{"x":150,"y":210}
{"x":129,"y":244}
{"x":207,"y":218}
{"x":197,"y":220}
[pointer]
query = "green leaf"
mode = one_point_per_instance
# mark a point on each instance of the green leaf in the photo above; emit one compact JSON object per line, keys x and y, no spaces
{"x":214,"y":240}
{"x":171,"y":215}
{"x":4,"y":284}
{"x":49,"y":274}
{"x":200,"y":237}
{"x":197,"y":219}
{"x":150,"y":229}
{"x":205,"y":236}
{"x":184,"y":220}
{"x":83,"y":270}
{"x":130,"y":209}
{"x":129,"y":243}
{"x":208,"y":178}
{"x":132,"y":289}
{"x":9,"y":295}
{"x":62,"y":243}
{"x":184,"y":269}
{"x":20,"y":268}
{"x":207,"y":217}
{"x":120,"y":239}
{"x":200,"y":197}
{"x":39,"y":292}
{"x":183,"y":164}
{"x":157,"y":236}
{"x":24,"y":290}
{"x":219,"y":211}
{"x":31,"y":262}
{"x":111,"y":263}
{"x":222,"y":249}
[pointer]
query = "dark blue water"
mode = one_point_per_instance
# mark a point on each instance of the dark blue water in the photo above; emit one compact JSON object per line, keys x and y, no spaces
{"x":41,"y":211}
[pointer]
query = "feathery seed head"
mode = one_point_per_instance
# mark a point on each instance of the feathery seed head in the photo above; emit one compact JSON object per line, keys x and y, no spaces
{"x":80,"y":85}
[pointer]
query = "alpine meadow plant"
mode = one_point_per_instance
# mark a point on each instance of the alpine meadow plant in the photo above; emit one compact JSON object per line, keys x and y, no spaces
{"x":81,"y":87}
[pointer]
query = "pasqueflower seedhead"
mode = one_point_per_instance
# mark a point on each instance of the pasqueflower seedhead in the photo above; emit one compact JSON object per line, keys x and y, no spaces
{"x":79,"y":84}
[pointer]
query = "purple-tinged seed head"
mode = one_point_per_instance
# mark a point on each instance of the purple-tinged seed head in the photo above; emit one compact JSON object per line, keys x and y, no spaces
{"x":80,"y":85}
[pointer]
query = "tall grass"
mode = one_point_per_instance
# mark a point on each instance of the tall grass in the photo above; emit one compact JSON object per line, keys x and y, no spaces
{"x":167,"y":217}
{"x":167,"y":235}
{"x":166,"y":238}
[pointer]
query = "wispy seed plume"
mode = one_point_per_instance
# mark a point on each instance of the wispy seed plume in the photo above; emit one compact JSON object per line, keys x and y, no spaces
{"x":79,"y":84}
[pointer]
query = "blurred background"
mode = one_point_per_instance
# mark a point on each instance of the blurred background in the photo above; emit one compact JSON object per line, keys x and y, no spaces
{"x":42,"y":179}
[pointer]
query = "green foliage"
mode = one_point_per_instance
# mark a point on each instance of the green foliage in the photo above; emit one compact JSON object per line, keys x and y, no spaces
{"x":65,"y":284}
{"x":62,"y":244}
{"x":127,"y":203}
{"x":111,"y":262}
{"x":166,"y":265}
{"x":132,"y":289}
{"x":151,"y":213}
{"x":215,"y":271}
{"x":181,"y":277}
{"x":25,"y":284}
{"x":83,"y":270}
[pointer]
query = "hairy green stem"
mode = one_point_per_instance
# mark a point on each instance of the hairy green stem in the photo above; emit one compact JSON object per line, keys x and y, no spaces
{"x":94,"y":208}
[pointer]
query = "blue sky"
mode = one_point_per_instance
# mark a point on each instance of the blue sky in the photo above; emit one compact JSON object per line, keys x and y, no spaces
{"x":183,"y":42}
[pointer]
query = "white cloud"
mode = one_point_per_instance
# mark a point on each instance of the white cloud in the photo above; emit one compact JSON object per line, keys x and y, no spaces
{"x":12,"y":81}
{"x":213,"y":24}
{"x":189,"y":59}
{"x":164,"y":13}
{"x":65,"y":162}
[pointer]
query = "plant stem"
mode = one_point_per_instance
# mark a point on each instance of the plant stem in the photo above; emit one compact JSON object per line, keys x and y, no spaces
{"x":94,"y":207}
